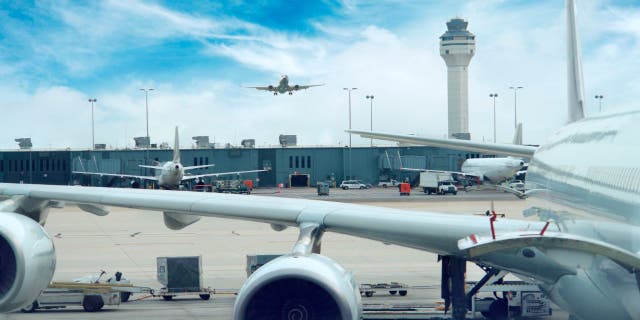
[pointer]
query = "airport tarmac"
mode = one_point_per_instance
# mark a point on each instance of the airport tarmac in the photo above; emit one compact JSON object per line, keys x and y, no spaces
{"x":130,"y":240}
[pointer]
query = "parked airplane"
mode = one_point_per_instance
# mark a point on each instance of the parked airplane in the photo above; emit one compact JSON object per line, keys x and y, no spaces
{"x":172,"y":173}
{"x":586,"y":261}
{"x":283,"y":86}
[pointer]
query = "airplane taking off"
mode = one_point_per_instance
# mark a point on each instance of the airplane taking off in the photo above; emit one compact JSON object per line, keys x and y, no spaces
{"x":283,"y":86}
{"x":586,"y":259}
{"x":171,"y":173}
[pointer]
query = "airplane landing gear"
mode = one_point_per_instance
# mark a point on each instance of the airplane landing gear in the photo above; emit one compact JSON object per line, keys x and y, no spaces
{"x":290,"y":93}
{"x":275,"y":93}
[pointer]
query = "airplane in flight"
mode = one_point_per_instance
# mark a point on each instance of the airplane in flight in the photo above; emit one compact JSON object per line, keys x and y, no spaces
{"x":586,"y":260}
{"x":172,"y":173}
{"x":283,"y":86}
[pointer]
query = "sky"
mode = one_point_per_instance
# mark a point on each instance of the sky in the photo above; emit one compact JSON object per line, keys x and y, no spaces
{"x":199,"y":57}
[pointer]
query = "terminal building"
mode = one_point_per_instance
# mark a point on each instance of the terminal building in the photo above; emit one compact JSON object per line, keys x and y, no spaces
{"x":290,"y":166}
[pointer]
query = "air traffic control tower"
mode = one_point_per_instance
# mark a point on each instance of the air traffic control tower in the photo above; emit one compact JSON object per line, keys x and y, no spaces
{"x":457,"y":47}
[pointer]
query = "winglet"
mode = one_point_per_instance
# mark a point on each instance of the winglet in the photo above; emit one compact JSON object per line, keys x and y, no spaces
{"x":176,"y":148}
{"x":574,"y":67}
{"x":517,"y":136}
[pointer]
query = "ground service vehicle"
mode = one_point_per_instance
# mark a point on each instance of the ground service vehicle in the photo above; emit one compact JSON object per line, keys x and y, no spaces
{"x":390,"y":183}
{"x":437,"y":182}
{"x":354,"y":184}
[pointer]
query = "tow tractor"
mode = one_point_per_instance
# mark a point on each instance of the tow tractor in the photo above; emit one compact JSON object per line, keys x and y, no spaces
{"x":368,"y":289}
{"x":87,"y":292}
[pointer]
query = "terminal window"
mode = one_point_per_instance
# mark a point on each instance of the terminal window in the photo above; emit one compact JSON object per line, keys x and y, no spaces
{"x":290,"y":162}
{"x":297,"y":162}
{"x":302,"y":162}
{"x":1,"y":165}
{"x":308,"y":161}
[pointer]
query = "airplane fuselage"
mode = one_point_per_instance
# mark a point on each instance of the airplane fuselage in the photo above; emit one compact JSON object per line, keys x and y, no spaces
{"x":283,"y":85}
{"x":495,"y":170}
{"x":587,"y":179}
{"x":171,"y":175}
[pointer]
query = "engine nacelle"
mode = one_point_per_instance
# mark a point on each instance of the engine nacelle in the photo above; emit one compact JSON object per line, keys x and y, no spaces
{"x":270,"y":87}
{"x":296,"y":87}
{"x":27,"y":261}
{"x":301,"y":288}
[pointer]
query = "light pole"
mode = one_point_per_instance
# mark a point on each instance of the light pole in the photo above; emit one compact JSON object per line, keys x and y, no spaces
{"x":494,"y":96}
{"x":371,"y":107}
{"x":599,"y":97}
{"x":93,"y":140}
{"x":515,"y":105}
{"x":349,"y":90}
{"x":146,"y":103}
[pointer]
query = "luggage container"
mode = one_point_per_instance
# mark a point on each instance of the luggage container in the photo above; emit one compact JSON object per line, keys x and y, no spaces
{"x":256,"y":261}
{"x":405,"y":189}
{"x":323,"y":189}
{"x":181,"y":276}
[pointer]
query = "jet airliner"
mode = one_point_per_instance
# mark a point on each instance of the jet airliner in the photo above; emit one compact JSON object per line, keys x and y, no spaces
{"x":283,"y":86}
{"x":172,"y":173}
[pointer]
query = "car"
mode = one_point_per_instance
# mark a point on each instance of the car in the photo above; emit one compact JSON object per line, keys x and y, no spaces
{"x":390,"y":183}
{"x":517,"y":185}
{"x":354,"y":184}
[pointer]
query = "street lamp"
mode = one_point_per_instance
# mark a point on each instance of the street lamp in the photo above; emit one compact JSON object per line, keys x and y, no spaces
{"x":599,"y":97}
{"x":349,"y":90}
{"x":494,"y":96}
{"x":93,"y":140}
{"x":515,"y":105}
{"x":146,"y":103}
{"x":371,"y":107}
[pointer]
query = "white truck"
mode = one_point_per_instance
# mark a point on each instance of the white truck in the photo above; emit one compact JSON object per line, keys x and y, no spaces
{"x":437,"y":182}
{"x":386,"y":184}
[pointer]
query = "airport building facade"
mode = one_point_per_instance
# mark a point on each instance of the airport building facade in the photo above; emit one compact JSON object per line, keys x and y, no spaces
{"x":289,"y":166}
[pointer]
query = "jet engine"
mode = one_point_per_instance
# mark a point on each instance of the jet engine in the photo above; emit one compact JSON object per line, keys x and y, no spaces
{"x":299,"y":287}
{"x":296,"y":87}
{"x":27,"y":261}
{"x":270,"y":87}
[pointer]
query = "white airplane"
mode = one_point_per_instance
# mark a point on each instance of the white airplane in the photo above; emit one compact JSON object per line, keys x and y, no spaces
{"x":283,"y":86}
{"x":171,"y":174}
{"x":587,"y":261}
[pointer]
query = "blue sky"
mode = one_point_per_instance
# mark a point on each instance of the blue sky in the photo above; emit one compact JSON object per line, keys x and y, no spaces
{"x":54,"y":55}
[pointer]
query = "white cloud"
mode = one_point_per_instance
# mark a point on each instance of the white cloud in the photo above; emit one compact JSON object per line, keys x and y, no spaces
{"x":400,"y":66}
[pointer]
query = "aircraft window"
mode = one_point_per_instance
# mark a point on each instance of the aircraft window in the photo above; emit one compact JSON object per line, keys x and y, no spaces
{"x":302,"y":162}
{"x":290,"y":162}
{"x":308,"y":161}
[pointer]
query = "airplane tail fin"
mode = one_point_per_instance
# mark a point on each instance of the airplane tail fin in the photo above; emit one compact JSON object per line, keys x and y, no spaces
{"x":176,"y":148}
{"x":517,"y":136}
{"x":574,"y":67}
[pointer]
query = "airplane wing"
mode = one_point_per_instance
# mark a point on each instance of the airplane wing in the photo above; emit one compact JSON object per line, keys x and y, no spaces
{"x":150,"y":167}
{"x":301,"y":87}
{"x":117,"y":175}
{"x":466,"y":145}
{"x":198,"y":167}
{"x":196,"y":176}
{"x":268,"y":88}
{"x":430,"y":231}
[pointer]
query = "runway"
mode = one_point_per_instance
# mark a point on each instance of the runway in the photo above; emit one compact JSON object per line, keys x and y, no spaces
{"x":130,"y":240}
